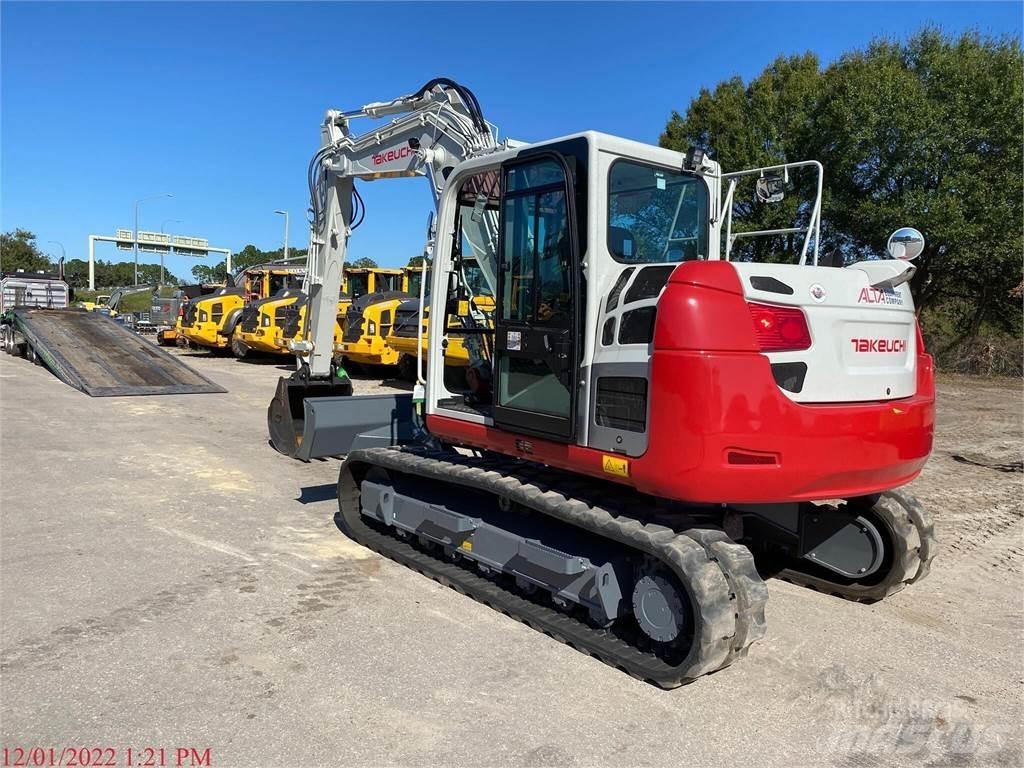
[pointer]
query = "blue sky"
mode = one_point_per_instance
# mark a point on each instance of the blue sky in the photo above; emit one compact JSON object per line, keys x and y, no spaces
{"x":220,"y":104}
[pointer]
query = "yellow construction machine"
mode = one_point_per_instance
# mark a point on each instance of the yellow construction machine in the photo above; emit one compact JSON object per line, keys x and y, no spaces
{"x":357,"y":283}
{"x":406,"y":343}
{"x":210,"y":321}
{"x":368,"y":322}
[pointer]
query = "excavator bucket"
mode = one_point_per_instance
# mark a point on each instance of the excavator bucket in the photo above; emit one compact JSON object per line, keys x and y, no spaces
{"x":314,"y":419}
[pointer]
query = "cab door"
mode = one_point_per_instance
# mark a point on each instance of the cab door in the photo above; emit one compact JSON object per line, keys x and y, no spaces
{"x":535,"y":355}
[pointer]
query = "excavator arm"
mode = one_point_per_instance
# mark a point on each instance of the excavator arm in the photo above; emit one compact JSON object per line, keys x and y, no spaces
{"x":431,"y":131}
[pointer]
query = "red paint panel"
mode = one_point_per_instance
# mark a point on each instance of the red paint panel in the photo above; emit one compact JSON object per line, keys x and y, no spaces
{"x":716,"y":408}
{"x":713,"y":316}
{"x":730,"y":404}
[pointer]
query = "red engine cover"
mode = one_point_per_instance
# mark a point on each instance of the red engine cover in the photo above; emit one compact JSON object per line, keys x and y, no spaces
{"x":721,"y":430}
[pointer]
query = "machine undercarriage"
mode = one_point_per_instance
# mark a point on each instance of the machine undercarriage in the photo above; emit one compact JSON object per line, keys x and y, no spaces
{"x":659,"y":591}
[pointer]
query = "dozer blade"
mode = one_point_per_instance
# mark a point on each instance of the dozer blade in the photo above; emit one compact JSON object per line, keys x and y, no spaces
{"x":314,"y":419}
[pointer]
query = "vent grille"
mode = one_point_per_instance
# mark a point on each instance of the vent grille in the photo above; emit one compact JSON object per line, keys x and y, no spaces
{"x":608,"y":333}
{"x":405,"y":323}
{"x":290,"y":323}
{"x":622,"y":403}
{"x":250,"y":318}
{"x":616,"y":291}
{"x":648,"y":283}
{"x":353,"y":326}
{"x":637,"y":326}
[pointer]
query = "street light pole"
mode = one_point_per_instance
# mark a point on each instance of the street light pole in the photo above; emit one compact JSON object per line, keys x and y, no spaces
{"x":285,"y":214}
{"x":162,"y":225}
{"x":135,"y":233}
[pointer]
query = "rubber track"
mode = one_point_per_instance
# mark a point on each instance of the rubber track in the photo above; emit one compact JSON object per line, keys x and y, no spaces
{"x":915,"y":548}
{"x":719,"y":574}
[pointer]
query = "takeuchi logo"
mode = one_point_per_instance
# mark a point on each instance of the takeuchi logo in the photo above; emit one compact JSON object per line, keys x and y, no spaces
{"x":391,"y":155}
{"x":879,"y":345}
{"x":879,"y":296}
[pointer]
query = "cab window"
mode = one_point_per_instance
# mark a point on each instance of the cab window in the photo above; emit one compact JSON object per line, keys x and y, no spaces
{"x":656,"y":214}
{"x":359,"y":285}
{"x":537,"y":244}
{"x":386,"y":282}
{"x":416,"y":280}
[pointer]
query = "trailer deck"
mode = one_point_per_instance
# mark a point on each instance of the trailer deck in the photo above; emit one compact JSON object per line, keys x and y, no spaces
{"x":102,"y":358}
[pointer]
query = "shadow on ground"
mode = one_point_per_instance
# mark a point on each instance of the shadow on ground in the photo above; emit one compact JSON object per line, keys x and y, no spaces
{"x":312,"y":494}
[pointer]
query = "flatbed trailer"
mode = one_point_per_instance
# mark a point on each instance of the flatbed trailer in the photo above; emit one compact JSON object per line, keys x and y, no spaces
{"x":97,"y":355}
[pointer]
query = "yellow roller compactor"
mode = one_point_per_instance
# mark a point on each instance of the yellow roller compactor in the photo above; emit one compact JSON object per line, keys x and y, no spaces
{"x":210,"y":321}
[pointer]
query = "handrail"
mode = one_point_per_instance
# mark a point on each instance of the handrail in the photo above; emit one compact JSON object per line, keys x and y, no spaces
{"x":813,"y":228}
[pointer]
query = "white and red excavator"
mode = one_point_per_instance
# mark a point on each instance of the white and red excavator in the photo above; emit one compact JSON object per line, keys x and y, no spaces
{"x":647,"y":420}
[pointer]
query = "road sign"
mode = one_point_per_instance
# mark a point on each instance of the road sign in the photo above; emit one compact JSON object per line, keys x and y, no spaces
{"x":190,"y":246}
{"x":124,"y":240}
{"x":154,"y":242}
{"x":158,"y":242}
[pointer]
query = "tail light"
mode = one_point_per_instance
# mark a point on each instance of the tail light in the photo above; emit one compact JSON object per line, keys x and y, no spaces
{"x":779,"y":329}
{"x":920,"y":338}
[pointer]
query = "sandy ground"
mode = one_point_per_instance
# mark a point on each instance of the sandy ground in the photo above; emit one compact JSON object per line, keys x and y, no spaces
{"x":167,"y":580}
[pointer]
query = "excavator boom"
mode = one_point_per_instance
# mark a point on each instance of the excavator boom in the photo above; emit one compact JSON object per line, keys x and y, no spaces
{"x":433,"y":130}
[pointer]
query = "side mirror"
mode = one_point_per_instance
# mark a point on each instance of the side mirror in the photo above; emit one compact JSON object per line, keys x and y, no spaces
{"x":430,"y":226}
{"x":770,"y":189}
{"x":905,"y":243}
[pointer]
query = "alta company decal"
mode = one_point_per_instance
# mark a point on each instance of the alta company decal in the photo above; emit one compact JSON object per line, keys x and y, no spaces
{"x":879,"y":345}
{"x":879,"y":296}
{"x":391,"y":155}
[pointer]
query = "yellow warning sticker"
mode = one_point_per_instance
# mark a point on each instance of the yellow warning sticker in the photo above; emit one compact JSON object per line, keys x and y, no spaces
{"x":613,"y":465}
{"x":467,"y":545}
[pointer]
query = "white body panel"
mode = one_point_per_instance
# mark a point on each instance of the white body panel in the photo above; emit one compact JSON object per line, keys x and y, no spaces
{"x":863,"y":339}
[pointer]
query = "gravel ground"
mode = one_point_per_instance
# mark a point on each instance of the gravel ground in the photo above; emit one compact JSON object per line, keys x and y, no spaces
{"x":168,"y":581}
